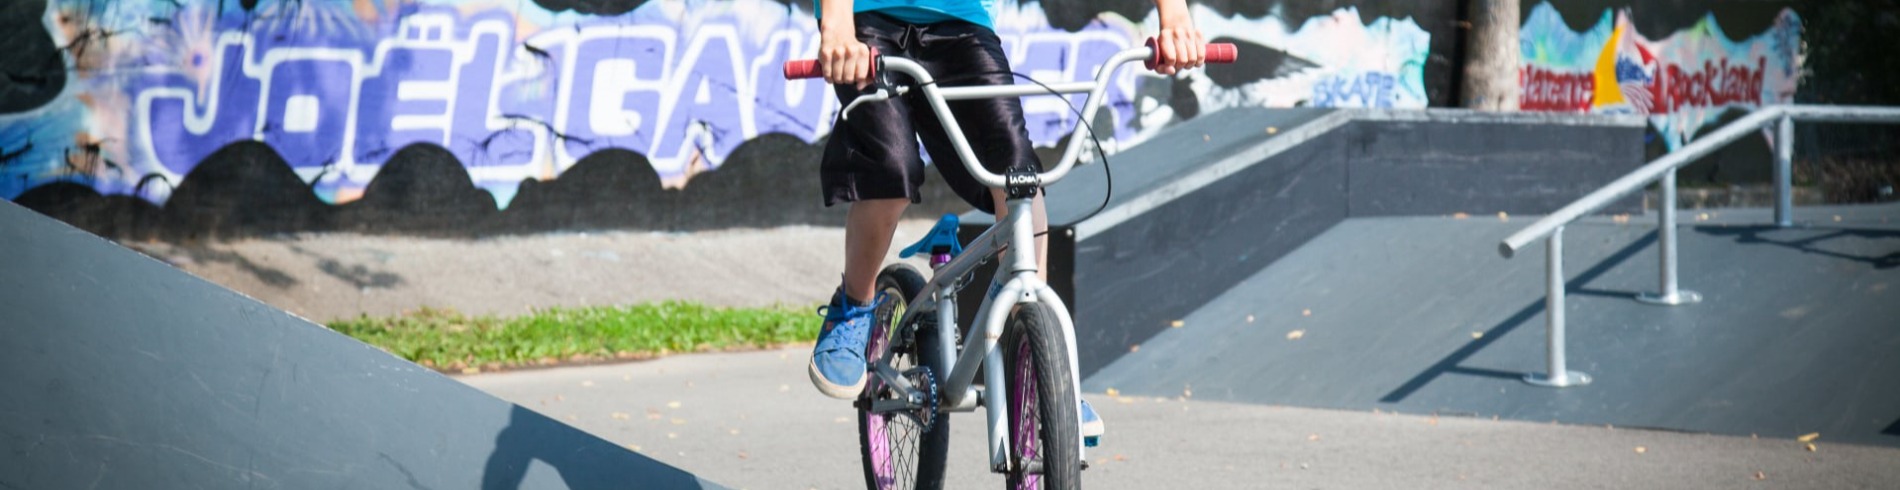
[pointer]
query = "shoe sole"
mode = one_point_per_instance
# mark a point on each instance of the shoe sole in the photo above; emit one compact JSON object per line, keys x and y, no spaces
{"x":1093,"y":429}
{"x":834,"y":390}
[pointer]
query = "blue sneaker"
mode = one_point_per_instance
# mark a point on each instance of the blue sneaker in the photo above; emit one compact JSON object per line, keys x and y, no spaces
{"x":1092,"y":428}
{"x":837,"y":362}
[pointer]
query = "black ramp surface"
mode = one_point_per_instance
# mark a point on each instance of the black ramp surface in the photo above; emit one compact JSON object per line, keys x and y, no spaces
{"x":122,"y":372}
{"x":1798,"y":331}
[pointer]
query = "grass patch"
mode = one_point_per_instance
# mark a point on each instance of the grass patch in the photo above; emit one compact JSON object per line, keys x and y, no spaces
{"x":447,"y":340}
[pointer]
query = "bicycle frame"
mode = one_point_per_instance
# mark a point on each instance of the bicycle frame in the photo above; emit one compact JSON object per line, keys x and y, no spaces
{"x":1014,"y":236}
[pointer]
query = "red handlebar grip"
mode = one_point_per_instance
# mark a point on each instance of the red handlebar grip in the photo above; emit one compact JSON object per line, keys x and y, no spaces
{"x":1222,"y":52}
{"x":1215,"y":53}
{"x":799,"y":69}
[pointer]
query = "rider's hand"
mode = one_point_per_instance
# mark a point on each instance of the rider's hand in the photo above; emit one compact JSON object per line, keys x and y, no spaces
{"x":841,"y":57}
{"x":1179,"y":42}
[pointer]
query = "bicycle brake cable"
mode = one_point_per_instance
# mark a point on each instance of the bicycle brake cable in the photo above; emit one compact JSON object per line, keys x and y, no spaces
{"x":1108,"y":174}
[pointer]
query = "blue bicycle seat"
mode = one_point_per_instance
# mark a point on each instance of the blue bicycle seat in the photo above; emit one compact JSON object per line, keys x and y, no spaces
{"x":942,"y":235}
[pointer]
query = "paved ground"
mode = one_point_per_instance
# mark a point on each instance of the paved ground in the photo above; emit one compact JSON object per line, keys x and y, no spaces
{"x":751,"y":420}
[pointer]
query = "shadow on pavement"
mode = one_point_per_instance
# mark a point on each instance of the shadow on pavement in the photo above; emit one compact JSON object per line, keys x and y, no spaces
{"x":582,"y":460}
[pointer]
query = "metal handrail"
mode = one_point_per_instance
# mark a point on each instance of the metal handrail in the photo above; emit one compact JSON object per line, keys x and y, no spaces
{"x":1663,"y":170}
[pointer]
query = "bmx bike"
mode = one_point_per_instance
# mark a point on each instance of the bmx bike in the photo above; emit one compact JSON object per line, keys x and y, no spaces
{"x":1022,"y":337}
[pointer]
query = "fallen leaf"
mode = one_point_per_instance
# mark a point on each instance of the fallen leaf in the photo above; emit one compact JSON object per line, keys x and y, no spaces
{"x":1620,"y":219}
{"x":673,"y":404}
{"x":1641,"y":449}
{"x":1134,"y":348}
{"x":621,"y":416}
{"x":1295,"y":335}
{"x":1477,"y":335}
{"x":1504,"y":217}
{"x":1177,"y":324}
{"x":1272,"y":130}
{"x":1702,"y":217}
{"x":1306,"y":312}
{"x":1187,"y":392}
{"x":1114,"y":392}
{"x":1312,"y":437}
{"x":1459,"y":216}
{"x":471,"y":370}
{"x":1837,"y":218}
{"x":743,"y":455}
{"x":1119,"y":457}
{"x":1809,"y":437}
{"x":633,"y":447}
{"x":1811,"y":447}
{"x":1760,"y":476}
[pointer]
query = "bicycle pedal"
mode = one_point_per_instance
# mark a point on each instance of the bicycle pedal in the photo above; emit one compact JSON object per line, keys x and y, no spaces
{"x":1091,"y":441}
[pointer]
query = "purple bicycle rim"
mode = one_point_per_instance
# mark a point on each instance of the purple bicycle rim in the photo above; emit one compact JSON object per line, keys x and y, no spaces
{"x":1027,"y":418}
{"x":879,"y":435}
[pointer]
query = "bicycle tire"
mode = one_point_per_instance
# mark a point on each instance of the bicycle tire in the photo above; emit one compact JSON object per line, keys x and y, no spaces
{"x":1045,"y":446}
{"x":887,"y":441}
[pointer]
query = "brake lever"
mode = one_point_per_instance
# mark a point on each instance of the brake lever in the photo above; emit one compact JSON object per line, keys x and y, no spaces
{"x":879,"y":96}
{"x":880,"y":79}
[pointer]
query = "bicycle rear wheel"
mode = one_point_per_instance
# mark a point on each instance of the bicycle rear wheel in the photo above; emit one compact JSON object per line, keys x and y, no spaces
{"x":903,"y":449}
{"x":1044,"y":445}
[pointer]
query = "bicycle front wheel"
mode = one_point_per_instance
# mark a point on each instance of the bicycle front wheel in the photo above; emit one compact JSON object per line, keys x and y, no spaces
{"x":903,"y":449}
{"x":1044,"y":445}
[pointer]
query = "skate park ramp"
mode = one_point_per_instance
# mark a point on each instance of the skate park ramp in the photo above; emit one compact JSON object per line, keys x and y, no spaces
{"x":1206,"y":203}
{"x":122,"y":372}
{"x":1796,"y":332}
{"x":1348,"y":260}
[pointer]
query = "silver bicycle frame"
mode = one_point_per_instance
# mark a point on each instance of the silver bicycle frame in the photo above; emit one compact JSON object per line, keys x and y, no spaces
{"x":1014,"y":236}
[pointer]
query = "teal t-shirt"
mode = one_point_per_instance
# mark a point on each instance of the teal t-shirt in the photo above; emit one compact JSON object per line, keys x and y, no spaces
{"x":925,"y":11}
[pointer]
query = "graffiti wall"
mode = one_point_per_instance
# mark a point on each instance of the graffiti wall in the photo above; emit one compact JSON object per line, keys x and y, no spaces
{"x":517,"y":94}
{"x":1682,"y":81}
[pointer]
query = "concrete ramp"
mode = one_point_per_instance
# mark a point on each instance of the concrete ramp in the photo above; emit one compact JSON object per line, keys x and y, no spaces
{"x":1209,"y":202}
{"x":122,"y":372}
{"x":1798,"y":332}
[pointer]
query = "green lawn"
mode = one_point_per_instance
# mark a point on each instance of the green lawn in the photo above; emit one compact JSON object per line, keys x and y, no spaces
{"x":453,"y":342}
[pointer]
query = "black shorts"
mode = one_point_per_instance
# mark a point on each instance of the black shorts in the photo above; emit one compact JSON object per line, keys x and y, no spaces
{"x":873,"y":155}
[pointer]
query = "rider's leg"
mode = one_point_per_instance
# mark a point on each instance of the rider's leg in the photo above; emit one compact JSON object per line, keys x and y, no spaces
{"x":868,"y":228}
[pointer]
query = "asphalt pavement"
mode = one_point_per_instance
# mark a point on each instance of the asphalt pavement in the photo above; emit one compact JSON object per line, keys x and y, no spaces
{"x":752,"y":420}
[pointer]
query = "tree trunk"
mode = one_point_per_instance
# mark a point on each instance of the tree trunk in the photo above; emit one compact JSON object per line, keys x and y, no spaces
{"x":1491,"y":61}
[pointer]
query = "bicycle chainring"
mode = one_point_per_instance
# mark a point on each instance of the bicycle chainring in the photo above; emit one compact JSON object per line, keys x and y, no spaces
{"x":921,"y":378}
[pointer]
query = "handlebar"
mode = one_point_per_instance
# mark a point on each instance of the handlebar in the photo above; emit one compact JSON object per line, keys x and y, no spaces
{"x":936,"y":96}
{"x":1217,"y":53}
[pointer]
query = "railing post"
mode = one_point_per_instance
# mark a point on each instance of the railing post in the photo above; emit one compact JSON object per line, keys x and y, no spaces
{"x":1557,"y":376}
{"x":1666,"y":231}
{"x":1784,"y":172}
